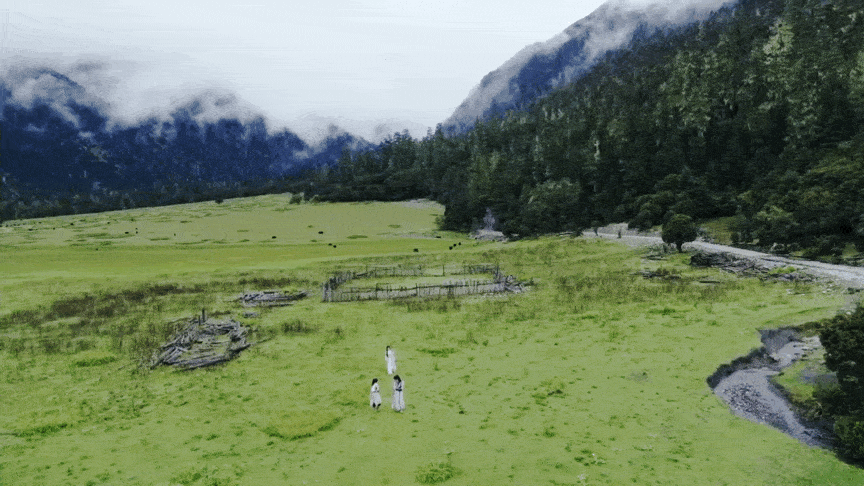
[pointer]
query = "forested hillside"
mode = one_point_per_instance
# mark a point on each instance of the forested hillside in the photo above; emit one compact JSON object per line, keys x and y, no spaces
{"x":63,"y":154}
{"x":755,"y":112}
{"x":544,"y":66}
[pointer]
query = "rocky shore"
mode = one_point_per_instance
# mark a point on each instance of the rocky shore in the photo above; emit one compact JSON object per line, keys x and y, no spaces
{"x":745,"y":386}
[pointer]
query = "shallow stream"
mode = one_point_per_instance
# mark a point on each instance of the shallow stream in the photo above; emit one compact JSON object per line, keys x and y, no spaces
{"x":745,"y":386}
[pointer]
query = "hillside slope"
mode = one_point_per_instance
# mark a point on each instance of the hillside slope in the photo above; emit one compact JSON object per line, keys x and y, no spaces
{"x":545,"y":66}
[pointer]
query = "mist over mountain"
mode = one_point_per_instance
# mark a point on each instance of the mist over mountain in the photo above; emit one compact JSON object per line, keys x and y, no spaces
{"x":71,"y":130}
{"x":544,"y":66}
{"x":315,"y":128}
{"x":754,"y":113}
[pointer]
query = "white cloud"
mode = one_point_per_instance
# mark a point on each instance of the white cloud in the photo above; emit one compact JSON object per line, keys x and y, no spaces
{"x":358,"y":59}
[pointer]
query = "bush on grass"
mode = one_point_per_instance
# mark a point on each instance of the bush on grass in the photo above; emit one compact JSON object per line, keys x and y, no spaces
{"x":94,"y":358}
{"x":302,"y":424}
{"x":296,"y":326}
{"x":435,"y":473}
{"x":850,"y":431}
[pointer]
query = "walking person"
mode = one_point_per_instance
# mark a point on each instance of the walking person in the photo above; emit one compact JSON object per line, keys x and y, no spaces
{"x":390,"y":358}
{"x":398,"y":397}
{"x":375,"y":394}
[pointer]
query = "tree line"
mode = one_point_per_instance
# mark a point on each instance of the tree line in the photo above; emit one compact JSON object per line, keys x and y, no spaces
{"x":53,"y":166}
{"x":754,"y":113}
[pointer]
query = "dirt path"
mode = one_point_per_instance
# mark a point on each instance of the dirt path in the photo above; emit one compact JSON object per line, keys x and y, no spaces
{"x":844,"y":275}
{"x":746,"y":386}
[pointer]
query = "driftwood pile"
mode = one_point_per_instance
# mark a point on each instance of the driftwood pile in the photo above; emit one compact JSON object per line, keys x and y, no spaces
{"x":203,"y":343}
{"x":726,"y":262}
{"x":746,"y":267}
{"x":269,"y":298}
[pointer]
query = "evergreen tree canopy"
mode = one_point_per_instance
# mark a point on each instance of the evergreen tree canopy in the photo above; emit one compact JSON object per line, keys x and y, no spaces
{"x":678,"y":230}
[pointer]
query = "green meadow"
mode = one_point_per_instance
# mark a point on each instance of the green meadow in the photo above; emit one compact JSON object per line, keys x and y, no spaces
{"x":594,"y":376}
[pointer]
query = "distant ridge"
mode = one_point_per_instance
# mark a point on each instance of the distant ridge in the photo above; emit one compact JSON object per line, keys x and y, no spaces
{"x":544,"y":66}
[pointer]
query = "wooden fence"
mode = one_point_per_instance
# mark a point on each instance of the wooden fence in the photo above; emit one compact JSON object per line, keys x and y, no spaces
{"x":379,"y":271}
{"x":333,"y":290}
{"x":447,"y":289}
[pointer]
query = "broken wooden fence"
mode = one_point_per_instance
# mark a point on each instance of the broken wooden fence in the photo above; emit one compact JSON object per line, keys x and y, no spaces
{"x":203,"y":343}
{"x":424,"y":291}
{"x":333,"y":291}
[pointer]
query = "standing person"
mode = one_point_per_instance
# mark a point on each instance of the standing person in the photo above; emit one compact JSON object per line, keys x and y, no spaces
{"x":375,"y":394}
{"x":398,"y":397}
{"x":390,"y":358}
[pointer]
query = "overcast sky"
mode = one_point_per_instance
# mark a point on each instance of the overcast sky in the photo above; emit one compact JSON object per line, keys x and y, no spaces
{"x":358,"y":59}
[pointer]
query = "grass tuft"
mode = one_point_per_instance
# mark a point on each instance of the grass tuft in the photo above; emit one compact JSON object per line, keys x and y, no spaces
{"x":296,"y":326}
{"x":435,"y":473}
{"x":94,"y":358}
{"x":301,"y":425}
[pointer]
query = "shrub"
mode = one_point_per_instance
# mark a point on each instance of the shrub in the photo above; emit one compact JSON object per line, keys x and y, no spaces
{"x":843,"y":339}
{"x":337,"y":334}
{"x":302,"y":424}
{"x":15,"y":346}
{"x":83,"y":343}
{"x":43,"y":429}
{"x":296,"y":326}
{"x":678,"y":230}
{"x":51,"y":344}
{"x":30,"y":318}
{"x":850,"y":430}
{"x":435,"y":473}
{"x":187,"y":477}
{"x":94,"y":358}
{"x":443,"y":305}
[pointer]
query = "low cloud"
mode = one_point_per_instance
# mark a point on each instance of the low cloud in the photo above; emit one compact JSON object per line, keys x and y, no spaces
{"x":609,"y":27}
{"x":129,"y":93}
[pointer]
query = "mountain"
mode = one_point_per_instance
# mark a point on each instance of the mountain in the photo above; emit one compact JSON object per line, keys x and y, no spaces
{"x":314,"y":128}
{"x":59,"y":138}
{"x":545,"y":66}
{"x":754,"y":113}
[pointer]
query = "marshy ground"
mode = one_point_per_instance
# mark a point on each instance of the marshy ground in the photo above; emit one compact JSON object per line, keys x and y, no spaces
{"x":596,"y":376}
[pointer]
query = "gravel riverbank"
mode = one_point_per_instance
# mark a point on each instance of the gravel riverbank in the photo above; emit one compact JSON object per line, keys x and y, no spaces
{"x":746,"y":387}
{"x":745,"y":383}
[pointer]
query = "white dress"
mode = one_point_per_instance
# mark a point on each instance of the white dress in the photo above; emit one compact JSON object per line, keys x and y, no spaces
{"x":375,"y":396}
{"x":390,"y":358}
{"x":398,"y":397}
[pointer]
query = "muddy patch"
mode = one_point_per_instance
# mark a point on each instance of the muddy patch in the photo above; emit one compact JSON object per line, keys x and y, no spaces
{"x":745,"y":386}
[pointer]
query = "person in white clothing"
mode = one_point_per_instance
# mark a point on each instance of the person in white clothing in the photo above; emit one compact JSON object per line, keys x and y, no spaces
{"x":390,"y":358}
{"x":398,"y":397}
{"x":375,"y":394}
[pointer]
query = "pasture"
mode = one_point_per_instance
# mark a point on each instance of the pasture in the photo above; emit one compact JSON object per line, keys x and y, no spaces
{"x":595,"y":376}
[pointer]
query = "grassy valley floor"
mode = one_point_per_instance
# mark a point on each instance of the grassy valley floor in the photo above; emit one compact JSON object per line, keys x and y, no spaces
{"x":595,"y":376}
